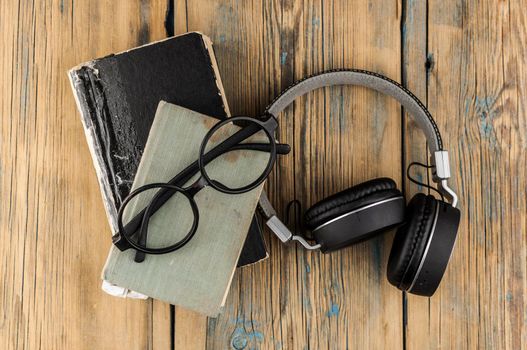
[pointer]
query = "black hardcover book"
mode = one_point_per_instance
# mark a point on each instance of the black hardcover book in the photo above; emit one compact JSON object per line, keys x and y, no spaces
{"x":118,"y":95}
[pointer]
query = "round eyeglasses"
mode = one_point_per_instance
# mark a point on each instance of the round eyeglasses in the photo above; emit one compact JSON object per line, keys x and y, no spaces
{"x":235,"y":156}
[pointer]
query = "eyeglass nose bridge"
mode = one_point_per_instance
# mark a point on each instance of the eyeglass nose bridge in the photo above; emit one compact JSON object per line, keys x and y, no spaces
{"x":197,"y":186}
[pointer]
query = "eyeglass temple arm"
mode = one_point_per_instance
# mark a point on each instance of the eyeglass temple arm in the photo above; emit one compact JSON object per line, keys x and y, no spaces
{"x":281,"y":148}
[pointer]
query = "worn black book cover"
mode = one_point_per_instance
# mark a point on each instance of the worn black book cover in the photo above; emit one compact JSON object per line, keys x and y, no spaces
{"x":118,"y":95}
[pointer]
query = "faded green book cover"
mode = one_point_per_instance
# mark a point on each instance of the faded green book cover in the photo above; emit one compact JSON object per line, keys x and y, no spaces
{"x":197,"y":276}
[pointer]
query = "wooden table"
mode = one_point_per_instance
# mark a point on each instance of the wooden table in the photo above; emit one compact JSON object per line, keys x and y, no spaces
{"x":465,"y":58}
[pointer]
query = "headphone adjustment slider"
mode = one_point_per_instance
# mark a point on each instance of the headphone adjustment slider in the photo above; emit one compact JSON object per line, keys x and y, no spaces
{"x":279,"y":229}
{"x":284,"y":234}
{"x":441,"y":166}
{"x":442,"y":173}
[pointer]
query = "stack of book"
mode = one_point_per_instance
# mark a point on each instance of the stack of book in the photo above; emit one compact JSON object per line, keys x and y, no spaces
{"x":156,"y":103}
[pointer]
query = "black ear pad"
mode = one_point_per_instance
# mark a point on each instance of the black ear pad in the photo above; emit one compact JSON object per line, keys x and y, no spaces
{"x":356,"y":214}
{"x":410,"y":240}
{"x":422,"y":247}
{"x":350,"y":199}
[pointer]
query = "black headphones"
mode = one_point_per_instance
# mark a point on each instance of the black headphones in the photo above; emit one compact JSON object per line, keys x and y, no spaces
{"x":423,"y":244}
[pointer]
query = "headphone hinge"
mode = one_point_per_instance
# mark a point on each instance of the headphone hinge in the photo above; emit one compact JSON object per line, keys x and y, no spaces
{"x":441,"y":170}
{"x":279,"y":229}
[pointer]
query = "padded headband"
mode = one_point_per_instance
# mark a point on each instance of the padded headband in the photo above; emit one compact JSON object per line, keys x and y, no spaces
{"x":370,"y":80}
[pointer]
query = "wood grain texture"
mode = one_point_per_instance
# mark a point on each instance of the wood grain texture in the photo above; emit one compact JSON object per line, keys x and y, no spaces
{"x":453,"y":56}
{"x":296,"y":299}
{"x":477,"y":92}
{"x":465,"y":58}
{"x":53,"y":230}
{"x":415,"y":74}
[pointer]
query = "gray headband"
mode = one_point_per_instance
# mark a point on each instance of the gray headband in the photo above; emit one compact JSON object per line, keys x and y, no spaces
{"x":370,"y":80}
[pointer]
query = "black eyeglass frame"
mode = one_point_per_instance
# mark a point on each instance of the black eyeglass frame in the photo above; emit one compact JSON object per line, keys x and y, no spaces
{"x":268,"y":126}
{"x":122,"y":240}
{"x":129,"y":243}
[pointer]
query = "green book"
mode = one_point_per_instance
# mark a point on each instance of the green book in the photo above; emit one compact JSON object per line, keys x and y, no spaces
{"x":197,"y":276}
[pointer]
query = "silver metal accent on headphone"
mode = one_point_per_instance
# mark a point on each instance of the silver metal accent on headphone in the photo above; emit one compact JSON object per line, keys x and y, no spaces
{"x":358,"y":210}
{"x":442,"y":165}
{"x":442,"y":173}
{"x":279,"y":229}
{"x":265,"y":206}
{"x":282,"y":232}
{"x":305,"y":243}
{"x":421,"y":263}
{"x":277,"y":226}
{"x":443,"y":187}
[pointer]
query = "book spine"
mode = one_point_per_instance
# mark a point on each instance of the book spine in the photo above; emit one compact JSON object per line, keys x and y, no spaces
{"x":87,"y":105}
{"x":209,"y":52}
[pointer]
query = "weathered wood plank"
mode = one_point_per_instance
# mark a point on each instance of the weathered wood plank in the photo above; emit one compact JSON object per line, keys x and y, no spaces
{"x":53,"y":232}
{"x":298,"y":299}
{"x":190,"y":330}
{"x":415,"y":76}
{"x":477,"y":93}
{"x":161,"y":329}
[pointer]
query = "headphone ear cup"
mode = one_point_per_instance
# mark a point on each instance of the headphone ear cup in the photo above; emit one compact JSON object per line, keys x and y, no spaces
{"x":355,"y":214}
{"x":422,"y":246}
{"x":410,"y":241}
{"x":360,"y":195}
